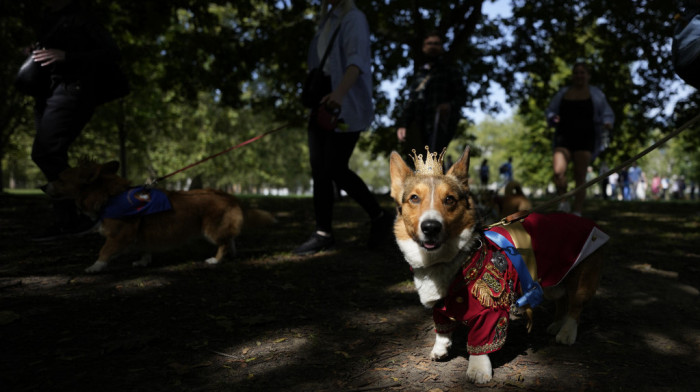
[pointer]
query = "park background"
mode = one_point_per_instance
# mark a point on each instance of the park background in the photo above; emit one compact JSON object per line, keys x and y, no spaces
{"x":207,"y":75}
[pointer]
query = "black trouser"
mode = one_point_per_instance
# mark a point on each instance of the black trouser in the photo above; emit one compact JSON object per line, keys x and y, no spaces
{"x":59,"y":119}
{"x":329,"y":153}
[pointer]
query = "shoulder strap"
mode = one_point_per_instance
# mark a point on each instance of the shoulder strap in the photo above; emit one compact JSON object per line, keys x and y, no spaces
{"x":532,"y":291}
{"x":328,"y":48}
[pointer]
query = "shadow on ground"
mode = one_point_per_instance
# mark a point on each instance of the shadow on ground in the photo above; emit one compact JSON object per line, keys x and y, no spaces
{"x":344,"y":320}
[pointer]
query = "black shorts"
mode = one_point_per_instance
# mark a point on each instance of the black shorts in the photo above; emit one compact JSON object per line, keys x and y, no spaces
{"x":574,"y":141}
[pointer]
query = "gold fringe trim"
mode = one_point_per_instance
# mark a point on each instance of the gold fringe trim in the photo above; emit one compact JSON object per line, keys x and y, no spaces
{"x":482,"y":293}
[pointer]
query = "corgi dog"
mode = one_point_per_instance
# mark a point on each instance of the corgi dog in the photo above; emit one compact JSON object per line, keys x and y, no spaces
{"x":493,"y":207}
{"x":475,"y":277}
{"x":139,"y":220}
{"x":512,"y":201}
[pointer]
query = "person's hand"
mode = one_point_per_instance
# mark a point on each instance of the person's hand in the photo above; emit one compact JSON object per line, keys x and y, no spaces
{"x":607,"y":125}
{"x":49,"y":56}
{"x":401,"y":134}
{"x":332,"y":100}
{"x":555,"y":119}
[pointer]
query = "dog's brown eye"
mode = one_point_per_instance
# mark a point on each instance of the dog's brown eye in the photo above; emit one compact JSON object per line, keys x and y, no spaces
{"x":414,"y":199}
{"x":450,"y":201}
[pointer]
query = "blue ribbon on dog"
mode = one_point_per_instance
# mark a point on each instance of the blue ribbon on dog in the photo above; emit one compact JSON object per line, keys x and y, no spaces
{"x":532,"y":291}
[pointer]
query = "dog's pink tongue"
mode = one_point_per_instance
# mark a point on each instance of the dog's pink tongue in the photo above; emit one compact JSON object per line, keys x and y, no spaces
{"x":429,"y":245}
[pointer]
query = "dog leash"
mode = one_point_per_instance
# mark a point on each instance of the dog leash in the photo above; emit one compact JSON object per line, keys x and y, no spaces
{"x":520,"y":215}
{"x":155,"y":181}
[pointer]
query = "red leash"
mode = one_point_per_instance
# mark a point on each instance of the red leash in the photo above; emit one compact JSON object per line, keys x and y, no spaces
{"x":219,"y":153}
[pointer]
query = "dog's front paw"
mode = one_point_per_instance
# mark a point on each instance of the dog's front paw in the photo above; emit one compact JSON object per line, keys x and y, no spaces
{"x":212,"y":260}
{"x":443,"y":342}
{"x":97,"y":267}
{"x":567,"y":333}
{"x":479,"y":370}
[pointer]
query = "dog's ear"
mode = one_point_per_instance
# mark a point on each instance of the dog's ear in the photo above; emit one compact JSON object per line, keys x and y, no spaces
{"x":111,"y":167}
{"x":399,"y":170}
{"x":461,"y":168}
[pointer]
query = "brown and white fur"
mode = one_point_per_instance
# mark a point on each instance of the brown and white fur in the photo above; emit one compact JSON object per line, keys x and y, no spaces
{"x":436,"y":229}
{"x":512,"y":201}
{"x":495,"y":207}
{"x":208,"y":213}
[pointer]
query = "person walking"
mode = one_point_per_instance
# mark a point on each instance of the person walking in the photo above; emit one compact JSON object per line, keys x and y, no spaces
{"x":484,"y":173}
{"x":436,"y":96}
{"x":505,"y":172}
{"x":74,"y":51}
{"x":336,"y":122}
{"x":582,"y":119}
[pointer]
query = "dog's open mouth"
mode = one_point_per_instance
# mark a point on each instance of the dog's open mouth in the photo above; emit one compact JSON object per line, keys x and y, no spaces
{"x":431,"y":245}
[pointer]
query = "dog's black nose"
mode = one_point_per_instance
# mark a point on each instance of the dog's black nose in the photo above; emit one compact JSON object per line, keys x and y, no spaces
{"x":431,"y":227}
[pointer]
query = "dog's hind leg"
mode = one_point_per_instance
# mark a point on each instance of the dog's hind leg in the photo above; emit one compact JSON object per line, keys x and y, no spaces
{"x":561,"y":301}
{"x":579,"y":290}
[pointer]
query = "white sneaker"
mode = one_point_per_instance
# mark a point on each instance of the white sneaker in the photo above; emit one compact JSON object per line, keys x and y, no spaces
{"x":564,"y":206}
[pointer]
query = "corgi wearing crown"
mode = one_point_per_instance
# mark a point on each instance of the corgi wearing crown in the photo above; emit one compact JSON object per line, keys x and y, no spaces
{"x":475,"y":277}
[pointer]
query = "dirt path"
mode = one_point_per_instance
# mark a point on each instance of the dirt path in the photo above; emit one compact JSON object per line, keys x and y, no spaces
{"x":346,"y":320}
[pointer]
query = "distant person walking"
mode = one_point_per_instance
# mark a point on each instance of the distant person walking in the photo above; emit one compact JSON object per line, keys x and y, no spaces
{"x":484,"y":173}
{"x":75,"y":50}
{"x":505,"y":172}
{"x":634,"y":174}
{"x":436,"y":96}
{"x":656,"y":186}
{"x":582,"y":118}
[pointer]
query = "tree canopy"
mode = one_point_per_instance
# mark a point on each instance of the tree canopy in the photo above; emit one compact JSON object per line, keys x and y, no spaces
{"x":206,"y":75}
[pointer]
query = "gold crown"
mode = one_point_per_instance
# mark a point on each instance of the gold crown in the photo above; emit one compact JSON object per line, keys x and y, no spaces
{"x":432,"y":164}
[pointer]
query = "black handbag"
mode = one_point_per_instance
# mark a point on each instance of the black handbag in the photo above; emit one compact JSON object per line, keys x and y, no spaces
{"x":32,"y":79}
{"x":317,"y":85}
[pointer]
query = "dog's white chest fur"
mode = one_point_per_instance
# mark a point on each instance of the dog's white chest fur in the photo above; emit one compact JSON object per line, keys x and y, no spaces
{"x":432,"y":283}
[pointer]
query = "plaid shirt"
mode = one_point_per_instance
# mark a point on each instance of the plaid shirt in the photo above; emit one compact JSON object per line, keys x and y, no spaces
{"x":445,"y":85}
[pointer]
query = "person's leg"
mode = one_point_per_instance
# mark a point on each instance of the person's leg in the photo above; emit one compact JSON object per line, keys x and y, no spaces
{"x":319,"y":142}
{"x":560,"y":162}
{"x":581,"y":160}
{"x":59,"y":121}
{"x":343,"y":146}
{"x":381,"y":221}
{"x":320,"y":153}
